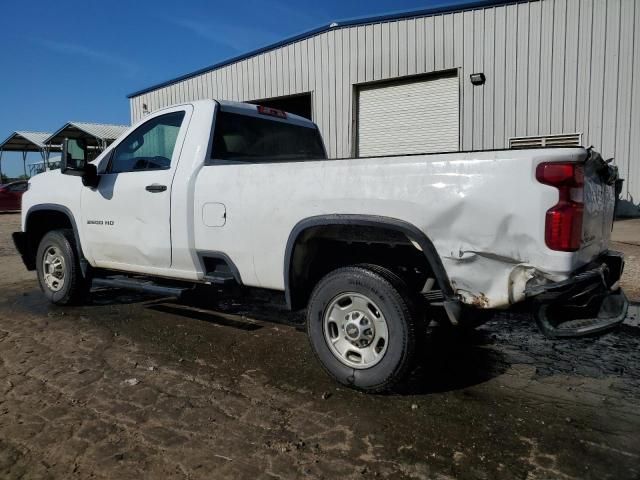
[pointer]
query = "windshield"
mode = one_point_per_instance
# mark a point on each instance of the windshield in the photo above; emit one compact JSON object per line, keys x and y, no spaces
{"x":251,"y":139}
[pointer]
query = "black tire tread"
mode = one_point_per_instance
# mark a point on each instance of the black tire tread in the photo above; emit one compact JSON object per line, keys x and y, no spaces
{"x":395,"y":287}
{"x":79,"y":285}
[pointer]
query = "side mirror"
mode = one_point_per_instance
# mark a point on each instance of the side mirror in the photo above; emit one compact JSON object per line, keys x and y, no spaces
{"x":90,"y":177}
{"x":73,"y":161}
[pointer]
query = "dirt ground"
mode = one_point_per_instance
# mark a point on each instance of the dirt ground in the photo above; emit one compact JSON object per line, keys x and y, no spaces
{"x":132,"y":386}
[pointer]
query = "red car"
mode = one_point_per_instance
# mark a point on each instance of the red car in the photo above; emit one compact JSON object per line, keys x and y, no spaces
{"x":11,"y":195}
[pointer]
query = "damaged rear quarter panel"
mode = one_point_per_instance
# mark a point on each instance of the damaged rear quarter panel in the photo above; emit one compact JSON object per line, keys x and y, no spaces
{"x":484,"y":212}
{"x":491,"y":239}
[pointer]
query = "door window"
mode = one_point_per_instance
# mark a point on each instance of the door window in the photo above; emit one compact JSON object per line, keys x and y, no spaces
{"x":149,"y":147}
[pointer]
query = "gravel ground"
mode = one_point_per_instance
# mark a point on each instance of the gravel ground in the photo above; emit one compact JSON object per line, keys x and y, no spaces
{"x":626,"y":236}
{"x":131,"y":386}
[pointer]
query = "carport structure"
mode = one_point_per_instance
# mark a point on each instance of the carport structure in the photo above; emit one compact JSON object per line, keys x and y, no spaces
{"x":96,"y":135}
{"x":26,"y":142}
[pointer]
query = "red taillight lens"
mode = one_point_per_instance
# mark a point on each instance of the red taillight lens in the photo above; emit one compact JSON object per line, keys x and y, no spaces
{"x":563,"y":227}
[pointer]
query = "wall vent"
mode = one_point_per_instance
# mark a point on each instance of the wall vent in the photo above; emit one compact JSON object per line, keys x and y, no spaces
{"x":547,"y":141}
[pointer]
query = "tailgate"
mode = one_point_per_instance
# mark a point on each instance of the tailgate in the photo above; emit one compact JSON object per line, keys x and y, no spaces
{"x":599,"y":205}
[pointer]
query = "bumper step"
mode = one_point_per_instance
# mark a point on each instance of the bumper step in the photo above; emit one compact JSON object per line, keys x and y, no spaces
{"x":557,"y":321}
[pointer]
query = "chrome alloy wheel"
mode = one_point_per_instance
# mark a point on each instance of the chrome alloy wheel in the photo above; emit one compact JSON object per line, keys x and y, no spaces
{"x":355,"y":330}
{"x":53,"y":268}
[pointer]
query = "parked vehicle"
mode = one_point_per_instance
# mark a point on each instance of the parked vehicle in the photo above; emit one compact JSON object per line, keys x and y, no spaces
{"x":376,"y":248}
{"x":11,"y":195}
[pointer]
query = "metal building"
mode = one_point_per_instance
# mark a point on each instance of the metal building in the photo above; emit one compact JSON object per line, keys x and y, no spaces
{"x":563,"y":71}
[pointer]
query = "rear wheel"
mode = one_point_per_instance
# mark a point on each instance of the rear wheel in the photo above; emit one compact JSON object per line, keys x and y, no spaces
{"x":361,"y":326}
{"x":58,"y":267}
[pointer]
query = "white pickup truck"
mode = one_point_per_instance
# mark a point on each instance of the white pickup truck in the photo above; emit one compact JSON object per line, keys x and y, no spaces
{"x":374,"y":248}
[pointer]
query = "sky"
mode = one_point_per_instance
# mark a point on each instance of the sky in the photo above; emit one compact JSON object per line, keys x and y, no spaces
{"x":69,"y":60}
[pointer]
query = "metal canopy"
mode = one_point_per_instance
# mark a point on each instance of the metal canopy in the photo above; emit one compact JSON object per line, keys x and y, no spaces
{"x":95,"y":134}
{"x":24,"y":141}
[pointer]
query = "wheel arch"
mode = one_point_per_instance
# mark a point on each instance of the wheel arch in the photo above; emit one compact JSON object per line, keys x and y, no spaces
{"x":62,"y":218}
{"x":400,"y":226}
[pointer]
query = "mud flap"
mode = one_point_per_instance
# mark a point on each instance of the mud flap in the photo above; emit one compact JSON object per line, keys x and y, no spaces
{"x":601,"y":314}
{"x":20,"y":242}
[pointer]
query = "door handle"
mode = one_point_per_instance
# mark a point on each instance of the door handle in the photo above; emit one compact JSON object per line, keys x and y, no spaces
{"x":155,"y":188}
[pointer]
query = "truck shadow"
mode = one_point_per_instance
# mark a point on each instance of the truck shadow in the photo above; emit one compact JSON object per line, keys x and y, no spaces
{"x":450,"y":359}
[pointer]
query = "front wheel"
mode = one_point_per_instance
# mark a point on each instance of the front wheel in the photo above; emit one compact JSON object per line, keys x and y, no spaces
{"x":361,"y":326}
{"x":58,"y":267}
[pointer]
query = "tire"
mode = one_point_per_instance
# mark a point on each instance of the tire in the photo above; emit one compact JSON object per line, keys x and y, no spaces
{"x":377,"y":295}
{"x":57,"y":259}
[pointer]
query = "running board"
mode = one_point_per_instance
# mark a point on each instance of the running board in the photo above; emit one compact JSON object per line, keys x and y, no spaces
{"x":220,"y":278}
{"x":140,"y":285}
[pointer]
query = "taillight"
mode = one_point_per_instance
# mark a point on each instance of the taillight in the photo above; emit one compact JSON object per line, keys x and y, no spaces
{"x":563,"y":226}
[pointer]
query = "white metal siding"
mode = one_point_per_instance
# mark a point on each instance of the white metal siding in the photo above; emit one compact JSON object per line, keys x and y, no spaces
{"x":414,"y":117}
{"x":552,"y":67}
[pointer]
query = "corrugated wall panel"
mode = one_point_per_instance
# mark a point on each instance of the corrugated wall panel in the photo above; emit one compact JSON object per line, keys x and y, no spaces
{"x":489,"y":88}
{"x":393,"y":49}
{"x":326,"y":93}
{"x":478,"y":66}
{"x":511,"y":76}
{"x":290,"y":70}
{"x":346,"y":107}
{"x":611,"y":65}
{"x":571,"y":65}
{"x":339,"y":89}
{"x":467,"y":90}
{"x":499,"y":138}
{"x":522,"y":69}
{"x":430,"y":42}
{"x":448,"y":42}
{"x":633,"y":177}
{"x":411,"y":47}
{"x":625,"y":78}
{"x":281,"y":73}
{"x":331,"y":80}
{"x":438,"y":35}
{"x":552,"y":66}
{"x":557,"y":65}
{"x":533,"y":94}
{"x":597,"y":71}
{"x":376,"y":42}
{"x":402,"y":49}
{"x":546,"y":54}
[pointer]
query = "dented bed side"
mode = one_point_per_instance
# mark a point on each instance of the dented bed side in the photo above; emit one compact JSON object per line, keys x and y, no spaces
{"x":483,"y":211}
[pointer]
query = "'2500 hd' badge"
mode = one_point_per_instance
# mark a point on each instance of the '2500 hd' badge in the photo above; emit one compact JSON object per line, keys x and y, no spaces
{"x":109,"y":223}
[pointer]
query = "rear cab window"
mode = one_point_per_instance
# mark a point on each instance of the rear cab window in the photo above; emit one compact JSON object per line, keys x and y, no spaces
{"x":264,"y":138}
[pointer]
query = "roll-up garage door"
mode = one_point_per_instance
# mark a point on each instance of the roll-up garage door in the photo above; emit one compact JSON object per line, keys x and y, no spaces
{"x":410,"y":117}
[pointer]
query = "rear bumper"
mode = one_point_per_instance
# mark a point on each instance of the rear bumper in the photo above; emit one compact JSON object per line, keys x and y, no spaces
{"x":588,"y":302}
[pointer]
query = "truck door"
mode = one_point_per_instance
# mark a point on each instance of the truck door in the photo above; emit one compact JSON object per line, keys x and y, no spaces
{"x":126,"y":219}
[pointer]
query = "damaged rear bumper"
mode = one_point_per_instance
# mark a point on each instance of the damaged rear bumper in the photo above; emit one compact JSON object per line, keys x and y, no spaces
{"x":588,"y":302}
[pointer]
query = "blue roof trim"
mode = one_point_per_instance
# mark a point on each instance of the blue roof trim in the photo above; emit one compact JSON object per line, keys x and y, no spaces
{"x":325,"y":28}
